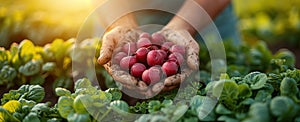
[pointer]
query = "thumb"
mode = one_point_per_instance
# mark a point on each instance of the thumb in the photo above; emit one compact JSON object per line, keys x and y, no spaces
{"x":192,"y":51}
{"x":107,"y":48}
{"x":193,"y":57}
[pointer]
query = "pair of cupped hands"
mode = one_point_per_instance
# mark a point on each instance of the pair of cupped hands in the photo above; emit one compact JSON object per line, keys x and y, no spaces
{"x":112,"y":42}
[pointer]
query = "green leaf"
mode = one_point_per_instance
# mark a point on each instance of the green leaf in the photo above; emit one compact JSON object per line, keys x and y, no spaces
{"x":11,"y":95}
{"x":65,"y":106}
{"x":3,"y":55}
{"x":49,"y":66}
{"x":75,"y":117}
{"x":221,"y":109}
{"x":62,"y":81}
{"x":41,"y":108}
{"x":82,"y":83}
{"x":283,"y":108}
{"x":167,"y":103}
{"x":196,"y":101}
{"x":153,"y":106}
{"x":27,"y":103}
{"x":256,"y":80}
{"x":287,"y":55}
{"x":228,"y":91}
{"x":62,"y":92}
{"x":263,"y":96}
{"x":179,"y":112}
{"x":79,"y":105}
{"x":26,"y":50}
{"x":120,"y":105}
{"x":32,"y":92}
{"x":244,"y":91}
{"x":115,"y":93}
{"x":206,"y":112}
{"x":7,"y":74}
{"x":30,"y":68}
{"x":227,"y":119}
{"x":247,"y":101}
{"x":6,"y":116}
{"x":288,"y":87}
{"x":59,"y":47}
{"x":259,"y":112}
{"x":31,"y":117}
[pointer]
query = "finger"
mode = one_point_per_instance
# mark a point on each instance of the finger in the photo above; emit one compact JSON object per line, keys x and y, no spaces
{"x":176,"y":79}
{"x":192,"y":50}
{"x":108,"y":45}
{"x":142,"y":86}
{"x":120,"y":75}
{"x":174,"y":36}
{"x":193,"y":55}
{"x":158,"y":87}
{"x":165,"y":89}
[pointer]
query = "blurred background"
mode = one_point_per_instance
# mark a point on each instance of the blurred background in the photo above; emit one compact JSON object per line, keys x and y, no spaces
{"x":42,"y":21}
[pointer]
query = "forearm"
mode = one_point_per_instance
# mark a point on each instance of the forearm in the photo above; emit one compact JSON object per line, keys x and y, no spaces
{"x":196,"y":16}
{"x":125,"y":21}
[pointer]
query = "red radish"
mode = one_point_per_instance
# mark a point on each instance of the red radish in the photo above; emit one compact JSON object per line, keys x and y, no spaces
{"x":154,"y":58}
{"x":141,"y":54}
{"x":157,"y":38}
{"x":177,"y":57}
{"x":152,"y":75}
{"x":170,"y":68}
{"x":163,"y":53}
{"x":137,"y":70}
{"x":178,"y":48}
{"x":150,"y":59}
{"x":143,"y":42}
{"x":166,"y":46}
{"x":129,"y":48}
{"x":127,"y":62}
{"x":145,"y":35}
{"x":118,"y":57}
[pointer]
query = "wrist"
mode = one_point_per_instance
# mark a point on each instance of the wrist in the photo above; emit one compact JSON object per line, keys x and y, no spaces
{"x":178,"y":23}
{"x":127,"y":21}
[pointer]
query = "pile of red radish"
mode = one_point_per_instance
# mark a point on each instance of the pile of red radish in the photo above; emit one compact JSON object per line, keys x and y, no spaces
{"x":150,"y":58}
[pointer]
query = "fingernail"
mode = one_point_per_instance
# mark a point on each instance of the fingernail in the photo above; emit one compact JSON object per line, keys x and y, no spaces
{"x":100,"y":59}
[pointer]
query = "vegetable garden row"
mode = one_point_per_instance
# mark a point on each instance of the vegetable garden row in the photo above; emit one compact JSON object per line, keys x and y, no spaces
{"x":258,"y":86}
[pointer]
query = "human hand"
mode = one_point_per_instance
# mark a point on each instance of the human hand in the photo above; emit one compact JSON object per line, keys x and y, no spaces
{"x":113,"y":41}
{"x":183,"y":38}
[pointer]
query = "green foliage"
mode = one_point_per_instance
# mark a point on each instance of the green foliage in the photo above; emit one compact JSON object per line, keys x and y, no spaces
{"x":287,"y":55}
{"x":30,"y":68}
{"x":120,"y":105}
{"x":256,"y":83}
{"x":256,"y":80}
{"x":35,"y":93}
{"x":265,"y":20}
{"x":88,"y":103}
{"x":32,"y":92}
{"x":7,"y":74}
{"x":258,"y":112}
{"x":288,"y":87}
{"x":283,"y":108}
{"x":26,"y":63}
{"x":23,"y":105}
{"x":116,"y":93}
